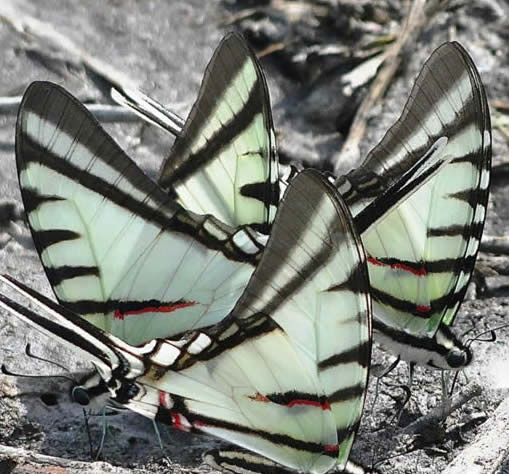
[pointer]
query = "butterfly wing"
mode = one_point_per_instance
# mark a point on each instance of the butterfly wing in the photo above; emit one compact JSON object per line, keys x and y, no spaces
{"x":422,"y":254}
{"x":286,"y":355}
{"x":116,"y":249}
{"x":224,"y":162}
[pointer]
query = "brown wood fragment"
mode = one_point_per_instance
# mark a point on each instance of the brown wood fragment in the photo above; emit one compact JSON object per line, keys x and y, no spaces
{"x":441,"y":412}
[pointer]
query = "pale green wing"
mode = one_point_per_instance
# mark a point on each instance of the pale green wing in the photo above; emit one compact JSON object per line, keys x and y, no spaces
{"x":284,"y":374}
{"x":422,"y":254}
{"x":116,"y":249}
{"x":224,"y":162}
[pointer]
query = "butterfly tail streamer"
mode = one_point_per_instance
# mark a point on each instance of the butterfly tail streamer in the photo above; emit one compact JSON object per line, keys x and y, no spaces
{"x":148,"y":109}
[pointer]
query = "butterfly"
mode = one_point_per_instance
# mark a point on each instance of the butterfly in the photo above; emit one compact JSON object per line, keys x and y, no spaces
{"x":89,"y":205}
{"x":283,"y":375}
{"x":422,"y":254}
{"x":117,"y":248}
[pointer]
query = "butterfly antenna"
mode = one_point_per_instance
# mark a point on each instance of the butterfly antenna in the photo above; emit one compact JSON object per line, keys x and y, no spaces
{"x":477,"y":338}
{"x":491,"y":338}
{"x":11,"y":373}
{"x":29,"y":353}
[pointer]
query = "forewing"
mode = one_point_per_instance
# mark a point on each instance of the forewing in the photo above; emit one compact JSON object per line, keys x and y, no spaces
{"x":224,"y":162}
{"x":116,"y":249}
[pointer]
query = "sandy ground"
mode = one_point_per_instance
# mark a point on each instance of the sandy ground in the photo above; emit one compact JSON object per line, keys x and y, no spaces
{"x":164,"y":46}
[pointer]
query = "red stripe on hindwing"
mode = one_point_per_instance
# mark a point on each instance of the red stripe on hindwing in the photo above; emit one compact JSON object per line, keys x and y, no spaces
{"x":154,"y":309}
{"x":331,"y":448}
{"x":418,"y":271}
{"x":283,"y":400}
{"x":323,"y":405}
{"x":180,"y":422}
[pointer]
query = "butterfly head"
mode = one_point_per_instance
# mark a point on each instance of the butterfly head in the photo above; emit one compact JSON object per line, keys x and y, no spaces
{"x":450,"y":352}
{"x":458,"y":357}
{"x":95,"y":391}
{"x":91,"y":391}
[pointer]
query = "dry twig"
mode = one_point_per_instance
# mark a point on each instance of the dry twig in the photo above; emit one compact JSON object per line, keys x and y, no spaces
{"x":441,"y":412}
{"x":22,"y":460}
{"x":418,"y":17}
{"x":495,"y":244}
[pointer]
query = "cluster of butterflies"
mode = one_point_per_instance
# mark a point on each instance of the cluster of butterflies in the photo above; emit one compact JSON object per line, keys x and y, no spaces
{"x":230,"y":301}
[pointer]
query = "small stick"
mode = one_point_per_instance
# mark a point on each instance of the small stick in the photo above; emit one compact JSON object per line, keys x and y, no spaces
{"x":30,"y":461}
{"x":417,"y":18}
{"x":103,"y":112}
{"x":500,"y":105}
{"x":441,"y":412}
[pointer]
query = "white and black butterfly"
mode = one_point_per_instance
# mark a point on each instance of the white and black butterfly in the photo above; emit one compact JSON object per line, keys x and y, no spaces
{"x":283,"y":375}
{"x":422,"y":254}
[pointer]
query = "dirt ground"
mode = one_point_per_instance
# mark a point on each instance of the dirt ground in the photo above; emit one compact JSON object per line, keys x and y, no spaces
{"x":164,"y":46}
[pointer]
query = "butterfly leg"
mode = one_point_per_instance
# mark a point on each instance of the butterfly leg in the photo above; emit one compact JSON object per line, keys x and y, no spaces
{"x":87,"y":427}
{"x":158,"y":435}
{"x":444,"y":380}
{"x":387,"y":371}
{"x":411,"y":369}
{"x":408,"y":392}
{"x":103,"y":434}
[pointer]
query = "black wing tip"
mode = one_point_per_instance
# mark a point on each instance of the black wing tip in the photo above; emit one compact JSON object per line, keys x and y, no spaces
{"x":36,"y":96}
{"x":456,"y":48}
{"x":235,"y":39}
{"x":37,"y":90}
{"x":235,"y":46}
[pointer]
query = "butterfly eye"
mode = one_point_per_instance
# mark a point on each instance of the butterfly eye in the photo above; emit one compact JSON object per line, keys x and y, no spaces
{"x":80,"y":395}
{"x":457,"y":358}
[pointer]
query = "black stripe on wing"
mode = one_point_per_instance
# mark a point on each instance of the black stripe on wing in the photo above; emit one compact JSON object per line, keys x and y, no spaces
{"x":448,"y":100}
{"x":241,"y":461}
{"x":227,"y":87}
{"x":46,"y":106}
{"x":197,"y":420}
{"x":438,"y":79}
